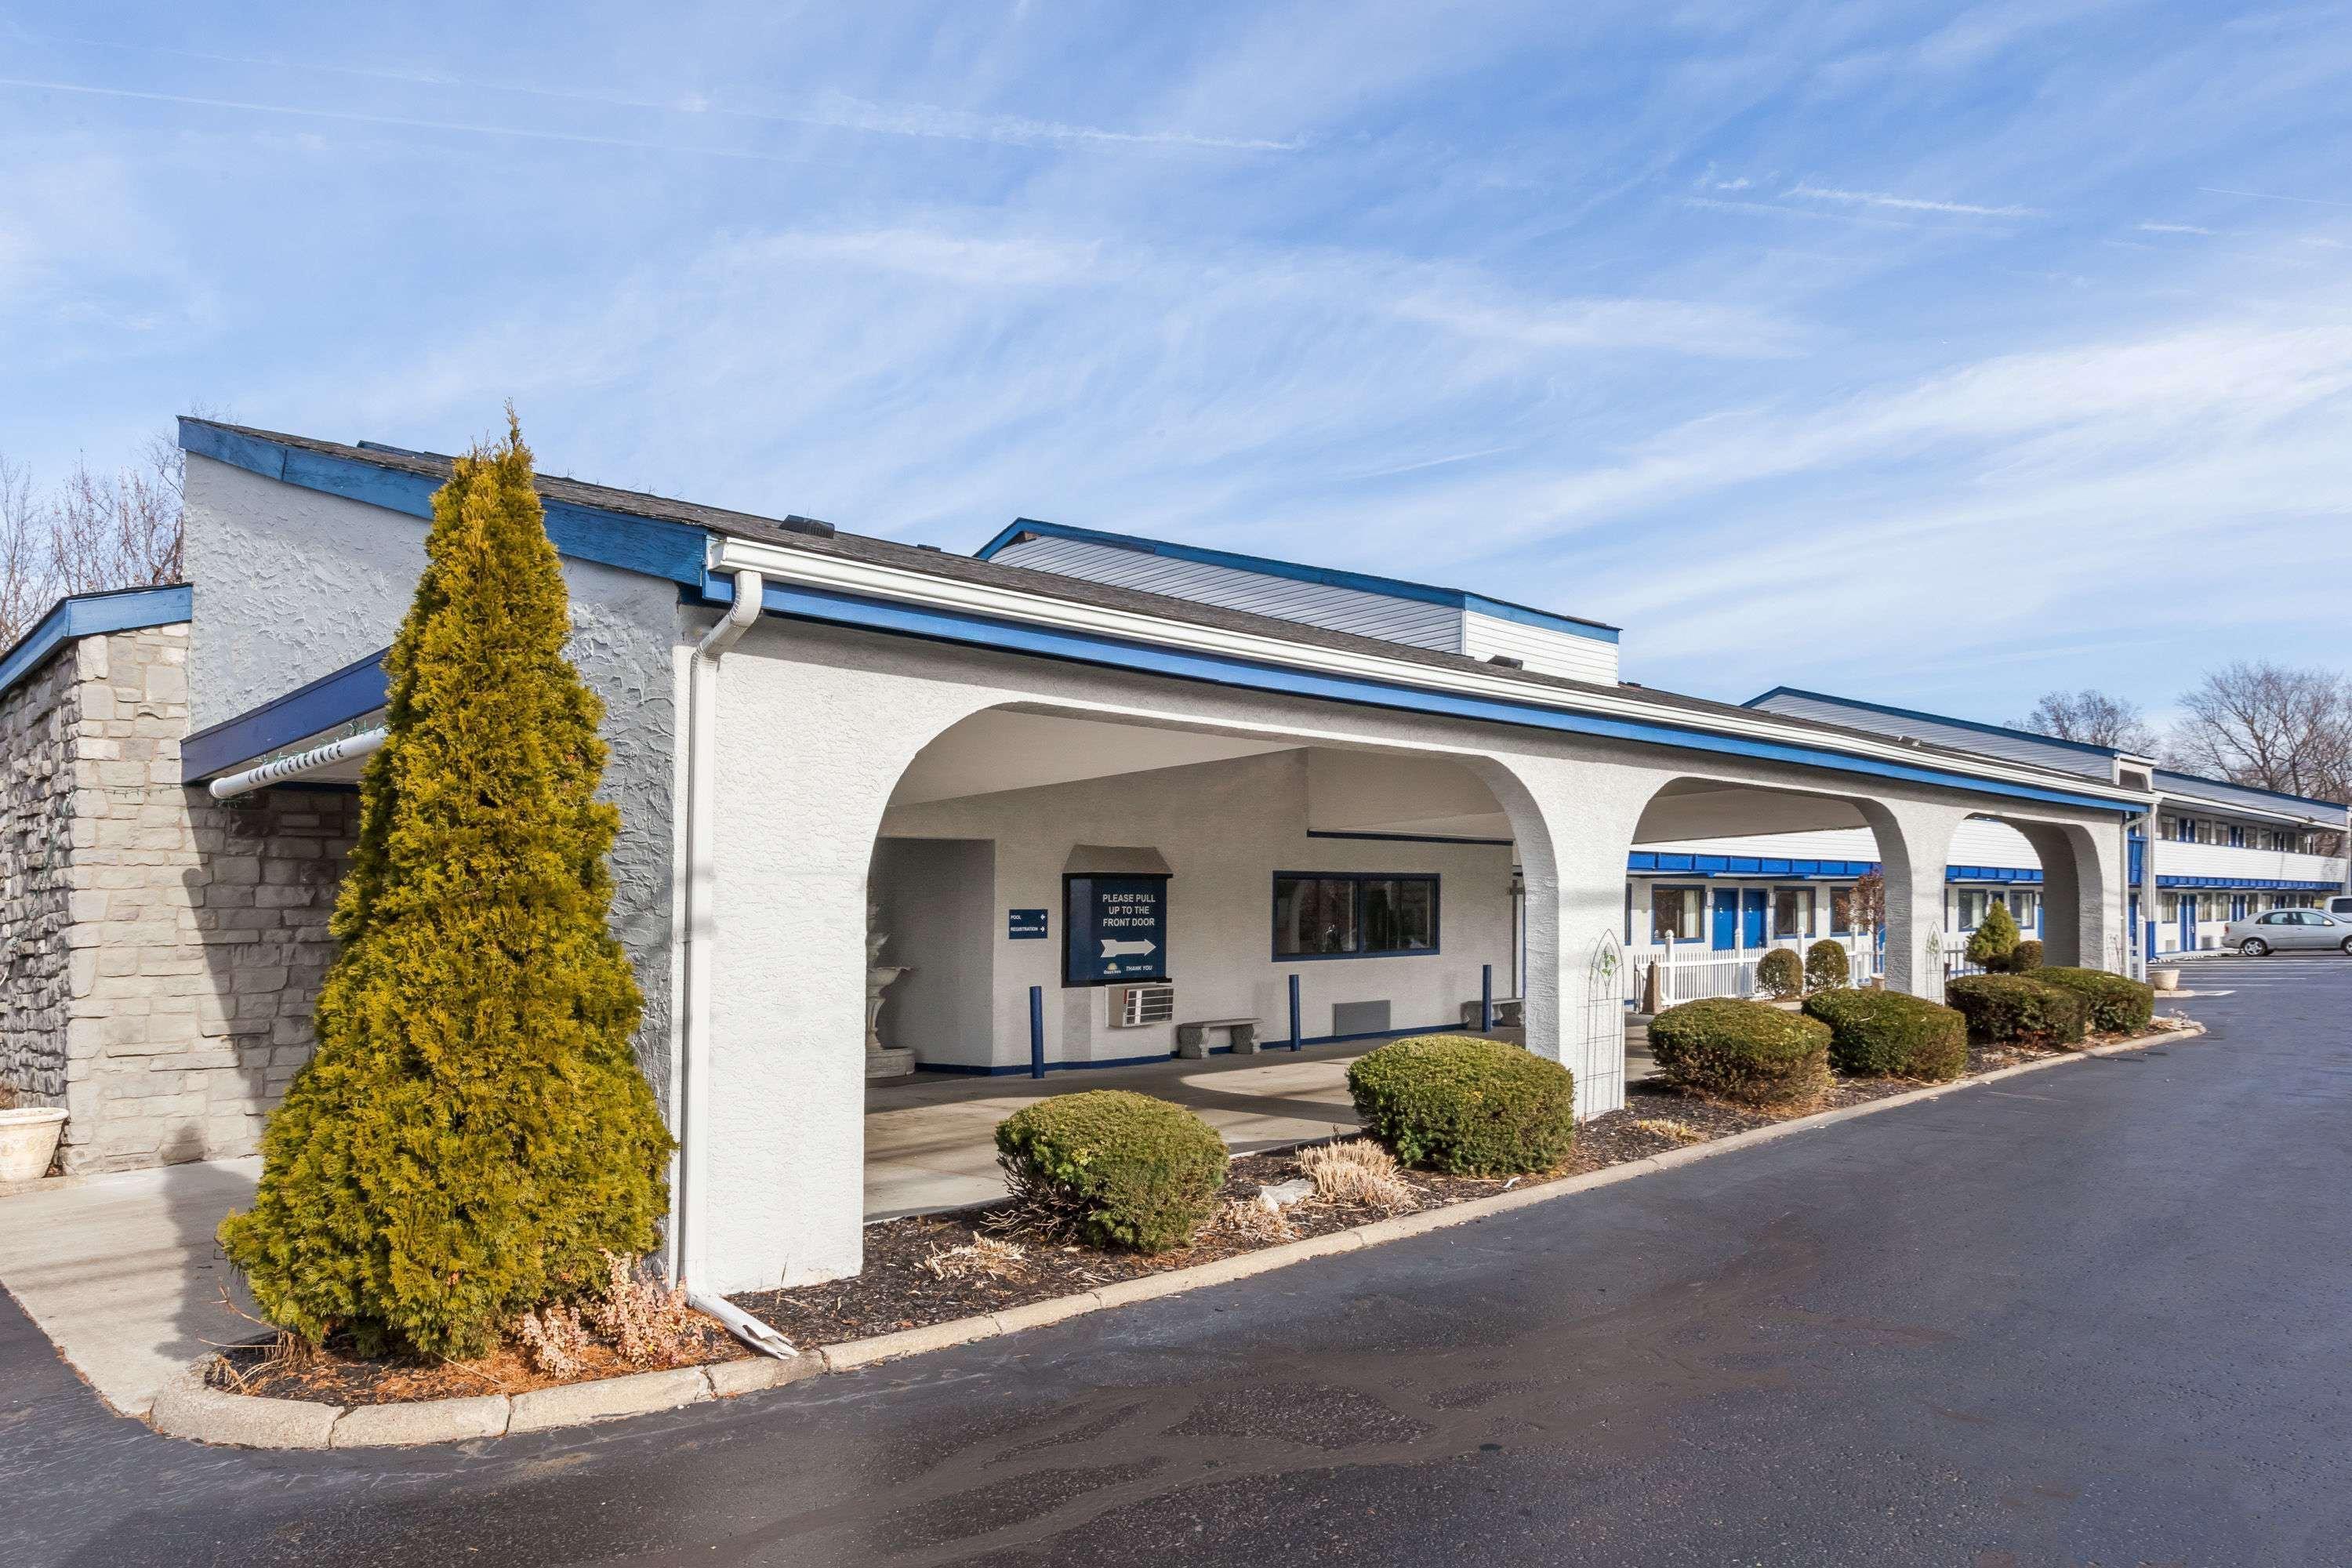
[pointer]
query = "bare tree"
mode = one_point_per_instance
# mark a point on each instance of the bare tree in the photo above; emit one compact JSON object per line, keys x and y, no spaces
{"x":2272,"y":727}
{"x":98,"y":532}
{"x":2092,"y":717}
{"x":24,"y":553}
{"x":121,"y":531}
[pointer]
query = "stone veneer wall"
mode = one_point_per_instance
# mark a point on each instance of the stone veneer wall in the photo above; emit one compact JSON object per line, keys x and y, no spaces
{"x":165,"y":949}
{"x":38,"y":719}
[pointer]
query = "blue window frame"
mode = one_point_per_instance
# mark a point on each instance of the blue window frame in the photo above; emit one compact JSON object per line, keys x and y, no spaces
{"x":1354,"y":914}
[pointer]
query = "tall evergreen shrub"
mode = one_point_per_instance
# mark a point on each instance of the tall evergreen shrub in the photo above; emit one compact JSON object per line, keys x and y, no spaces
{"x":1994,"y":940}
{"x":474,"y":1128}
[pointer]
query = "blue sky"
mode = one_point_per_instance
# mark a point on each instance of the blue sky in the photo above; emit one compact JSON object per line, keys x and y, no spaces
{"x":1937,"y":355}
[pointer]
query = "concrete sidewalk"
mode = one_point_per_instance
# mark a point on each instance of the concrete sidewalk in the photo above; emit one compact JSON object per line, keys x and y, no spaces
{"x":930,"y":1142}
{"x":121,"y":1272}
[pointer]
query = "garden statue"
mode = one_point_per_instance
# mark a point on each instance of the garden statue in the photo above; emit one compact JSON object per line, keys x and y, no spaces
{"x":881,"y":1060}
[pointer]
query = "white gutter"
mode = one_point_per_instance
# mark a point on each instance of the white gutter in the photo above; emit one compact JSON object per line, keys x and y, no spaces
{"x":689,"y":1207}
{"x":805,"y":566}
{"x":367,"y":743}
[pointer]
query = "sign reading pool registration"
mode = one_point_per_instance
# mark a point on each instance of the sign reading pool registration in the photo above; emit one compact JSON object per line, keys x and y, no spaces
{"x":1116,"y":929}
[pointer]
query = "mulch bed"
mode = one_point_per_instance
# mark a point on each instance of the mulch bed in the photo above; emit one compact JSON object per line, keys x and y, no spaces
{"x":897,"y":1291}
{"x":333,"y":1375}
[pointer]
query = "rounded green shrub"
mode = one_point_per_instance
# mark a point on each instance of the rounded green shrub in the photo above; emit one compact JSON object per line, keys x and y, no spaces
{"x":2113,"y":1004}
{"x":2016,"y":1009}
{"x":1781,"y":973}
{"x":2026,"y":958}
{"x":1468,"y":1107}
{"x":1994,"y":940}
{"x":1124,"y":1169}
{"x":1825,"y":965}
{"x":1747,"y":1051}
{"x":1884,"y":1033}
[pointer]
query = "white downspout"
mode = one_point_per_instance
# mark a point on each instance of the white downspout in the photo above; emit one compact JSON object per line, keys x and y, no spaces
{"x":689,"y":1216}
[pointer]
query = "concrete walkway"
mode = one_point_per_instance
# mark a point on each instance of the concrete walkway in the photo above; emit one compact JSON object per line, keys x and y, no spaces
{"x":121,"y":1272}
{"x":930,"y":1142}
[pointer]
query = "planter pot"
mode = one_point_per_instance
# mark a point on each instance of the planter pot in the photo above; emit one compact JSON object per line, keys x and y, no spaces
{"x":28,"y":1140}
{"x":2165,"y":979}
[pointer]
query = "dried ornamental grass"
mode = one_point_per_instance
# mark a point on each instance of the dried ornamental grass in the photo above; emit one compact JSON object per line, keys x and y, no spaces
{"x":986,"y":1258}
{"x":1667,"y":1128}
{"x":1256,"y":1219}
{"x":1358,"y":1171}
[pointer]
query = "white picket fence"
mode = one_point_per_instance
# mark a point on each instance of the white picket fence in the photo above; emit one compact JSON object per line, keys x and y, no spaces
{"x":1689,"y":971}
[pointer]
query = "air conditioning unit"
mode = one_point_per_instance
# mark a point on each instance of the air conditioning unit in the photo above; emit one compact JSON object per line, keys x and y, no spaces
{"x":1137,"y":1006}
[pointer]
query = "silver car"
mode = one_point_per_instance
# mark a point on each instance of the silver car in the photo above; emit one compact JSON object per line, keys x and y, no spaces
{"x":2288,"y":930}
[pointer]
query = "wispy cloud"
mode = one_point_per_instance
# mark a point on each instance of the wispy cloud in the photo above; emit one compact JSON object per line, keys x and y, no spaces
{"x":830,"y":108}
{"x":408,"y":122}
{"x":2173,"y":229}
{"x":2275,"y":196}
{"x":1909,"y":203}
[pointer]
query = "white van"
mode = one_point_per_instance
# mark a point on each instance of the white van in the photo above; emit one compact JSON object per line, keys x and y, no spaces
{"x":2339,"y":905}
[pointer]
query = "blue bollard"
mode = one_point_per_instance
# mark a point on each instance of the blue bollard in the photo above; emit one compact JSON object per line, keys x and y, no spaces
{"x":1295,"y":1041}
{"x":1037,"y":1031}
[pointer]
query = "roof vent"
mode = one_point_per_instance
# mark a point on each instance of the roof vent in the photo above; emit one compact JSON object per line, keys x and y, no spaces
{"x":1506,"y":662}
{"x":814,"y":527}
{"x":933,"y":548}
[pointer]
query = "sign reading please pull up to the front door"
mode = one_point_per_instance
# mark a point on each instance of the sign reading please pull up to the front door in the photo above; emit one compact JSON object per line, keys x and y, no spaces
{"x":1117,"y":928}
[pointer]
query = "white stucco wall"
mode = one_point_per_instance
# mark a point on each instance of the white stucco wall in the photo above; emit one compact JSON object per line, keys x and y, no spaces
{"x":292,"y":584}
{"x":1224,"y":829}
{"x":817,"y":726}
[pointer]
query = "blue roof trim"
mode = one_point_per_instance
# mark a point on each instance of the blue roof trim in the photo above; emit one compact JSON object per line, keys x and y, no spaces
{"x":1225,"y":669}
{"x":90,"y":615}
{"x":1664,"y":863}
{"x":2267,"y":882}
{"x":2163,"y":774}
{"x":2158,"y":775}
{"x":1759,"y":700}
{"x":357,"y":688}
{"x":1653,"y":863}
{"x":649,"y":545}
{"x":1331,"y":577}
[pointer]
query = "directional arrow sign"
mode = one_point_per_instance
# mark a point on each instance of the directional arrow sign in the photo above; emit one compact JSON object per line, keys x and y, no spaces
{"x":1115,"y":928}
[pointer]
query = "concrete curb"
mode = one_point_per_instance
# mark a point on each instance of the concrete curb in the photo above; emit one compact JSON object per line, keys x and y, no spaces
{"x":189,"y":1408}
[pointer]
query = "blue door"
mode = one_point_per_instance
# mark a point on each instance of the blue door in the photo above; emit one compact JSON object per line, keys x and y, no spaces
{"x":2188,"y":923}
{"x":1739,"y":918}
{"x":2237,"y":906}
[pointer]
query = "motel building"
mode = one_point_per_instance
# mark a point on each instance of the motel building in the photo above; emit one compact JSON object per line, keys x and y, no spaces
{"x":2222,"y":852}
{"x":891,"y":814}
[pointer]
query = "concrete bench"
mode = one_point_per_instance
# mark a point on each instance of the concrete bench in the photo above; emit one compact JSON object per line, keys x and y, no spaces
{"x":1193,"y":1038}
{"x":1509,"y":1013}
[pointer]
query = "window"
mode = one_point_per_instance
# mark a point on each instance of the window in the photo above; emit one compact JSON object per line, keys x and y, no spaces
{"x":1792,"y":911}
{"x":1972,"y":908}
{"x":1840,"y":912}
{"x":1353,"y":915}
{"x":2021,"y":904}
{"x":2169,"y":906}
{"x":2237,"y":839}
{"x":1677,"y":913}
